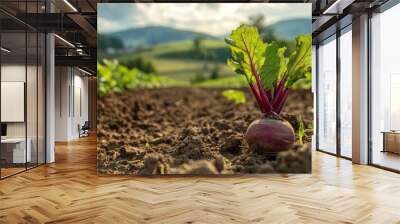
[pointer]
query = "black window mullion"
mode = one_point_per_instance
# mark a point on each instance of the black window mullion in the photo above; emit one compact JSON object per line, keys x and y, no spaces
{"x":37,"y":90}
{"x":26,"y":86}
{"x":45,"y":89}
{"x":338,"y":93}
{"x":45,"y":96}
{"x":369,"y":100}
{"x":317,"y":97}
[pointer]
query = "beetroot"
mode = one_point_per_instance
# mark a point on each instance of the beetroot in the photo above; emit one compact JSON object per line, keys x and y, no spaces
{"x":270,"y":76}
{"x":270,"y":134}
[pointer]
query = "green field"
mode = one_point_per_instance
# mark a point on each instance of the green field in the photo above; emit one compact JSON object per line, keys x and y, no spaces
{"x":177,"y":59}
{"x":176,"y":63}
{"x":114,"y":77}
{"x":236,"y":81}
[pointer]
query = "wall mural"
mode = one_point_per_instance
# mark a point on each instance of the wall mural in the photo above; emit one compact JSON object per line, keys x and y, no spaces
{"x":204,"y":89}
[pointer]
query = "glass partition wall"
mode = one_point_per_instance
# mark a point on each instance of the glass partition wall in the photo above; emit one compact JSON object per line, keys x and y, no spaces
{"x":326,"y":60}
{"x":334,"y":94}
{"x":13,"y":89}
{"x":385,"y":89}
{"x":345,"y":91}
{"x":22,"y":77}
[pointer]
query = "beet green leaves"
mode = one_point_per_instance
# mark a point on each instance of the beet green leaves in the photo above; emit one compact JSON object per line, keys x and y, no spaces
{"x":269,"y":73}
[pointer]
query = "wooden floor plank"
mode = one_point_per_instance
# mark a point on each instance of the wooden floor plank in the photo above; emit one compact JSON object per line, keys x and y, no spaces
{"x":70,"y":191}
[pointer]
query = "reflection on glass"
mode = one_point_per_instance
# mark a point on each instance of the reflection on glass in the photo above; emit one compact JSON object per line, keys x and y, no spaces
{"x":346,"y":92}
{"x":31,"y":101}
{"x":22,"y":91}
{"x":14,"y":153}
{"x":41,"y":99}
{"x":327,"y":95}
{"x":385,"y":84}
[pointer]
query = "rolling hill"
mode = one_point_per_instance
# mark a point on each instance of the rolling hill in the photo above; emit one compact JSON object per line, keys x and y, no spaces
{"x":152,"y":35}
{"x":289,"y":29}
{"x":177,"y":59}
{"x":172,"y":53}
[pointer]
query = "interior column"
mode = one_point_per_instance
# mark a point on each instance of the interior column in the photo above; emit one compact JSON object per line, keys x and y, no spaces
{"x":50,"y":92}
{"x":360,"y":90}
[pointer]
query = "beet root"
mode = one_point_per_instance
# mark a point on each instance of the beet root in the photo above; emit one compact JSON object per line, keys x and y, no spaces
{"x":270,"y":135}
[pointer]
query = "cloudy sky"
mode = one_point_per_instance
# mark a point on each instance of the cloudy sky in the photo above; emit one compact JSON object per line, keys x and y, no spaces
{"x":212,"y":18}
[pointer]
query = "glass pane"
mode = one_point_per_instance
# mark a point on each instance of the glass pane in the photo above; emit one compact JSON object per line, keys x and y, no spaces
{"x":32,"y":89}
{"x":41,"y":99}
{"x":314,"y":74}
{"x":327,"y":96}
{"x":22,"y":89}
{"x":385,"y":84}
{"x":31,"y":98}
{"x":13,"y":86}
{"x":346,"y":93}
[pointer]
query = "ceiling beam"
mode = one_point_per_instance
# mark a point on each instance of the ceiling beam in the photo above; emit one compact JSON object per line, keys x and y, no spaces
{"x":337,"y":7}
{"x":78,"y":61}
{"x":86,"y":27}
{"x":320,"y":22}
{"x":49,"y":22}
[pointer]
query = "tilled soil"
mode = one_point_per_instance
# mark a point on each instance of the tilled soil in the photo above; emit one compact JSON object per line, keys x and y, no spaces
{"x":192,"y":131}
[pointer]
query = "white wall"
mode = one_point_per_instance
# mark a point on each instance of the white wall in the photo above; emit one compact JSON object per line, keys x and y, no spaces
{"x":33,"y":126}
{"x":12,"y":73}
{"x":70,"y":83}
{"x":79,"y":115}
{"x":62,"y":81}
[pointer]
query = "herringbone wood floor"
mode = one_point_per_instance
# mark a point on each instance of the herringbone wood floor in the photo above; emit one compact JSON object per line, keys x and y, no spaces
{"x":70,"y":191}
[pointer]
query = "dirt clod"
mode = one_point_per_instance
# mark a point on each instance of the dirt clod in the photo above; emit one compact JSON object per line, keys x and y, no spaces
{"x":154,"y":164}
{"x":232,"y":146}
{"x":201,"y":167}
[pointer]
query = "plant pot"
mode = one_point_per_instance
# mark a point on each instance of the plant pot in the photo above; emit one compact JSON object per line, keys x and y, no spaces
{"x":270,"y":135}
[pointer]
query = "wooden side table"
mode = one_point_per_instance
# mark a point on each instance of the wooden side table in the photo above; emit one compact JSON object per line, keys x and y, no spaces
{"x":391,"y":141}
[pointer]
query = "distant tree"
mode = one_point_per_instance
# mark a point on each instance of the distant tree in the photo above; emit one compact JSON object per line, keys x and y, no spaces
{"x":116,"y":43}
{"x":139,"y":63}
{"x":106,"y":42}
{"x":197,"y":43}
{"x":215,"y":72}
{"x":205,"y":67}
{"x":211,"y":55}
{"x":140,"y":47}
{"x":199,"y":77}
{"x":258,"y":21}
{"x":198,"y":47}
{"x":267,"y":33}
{"x":149,"y":67}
